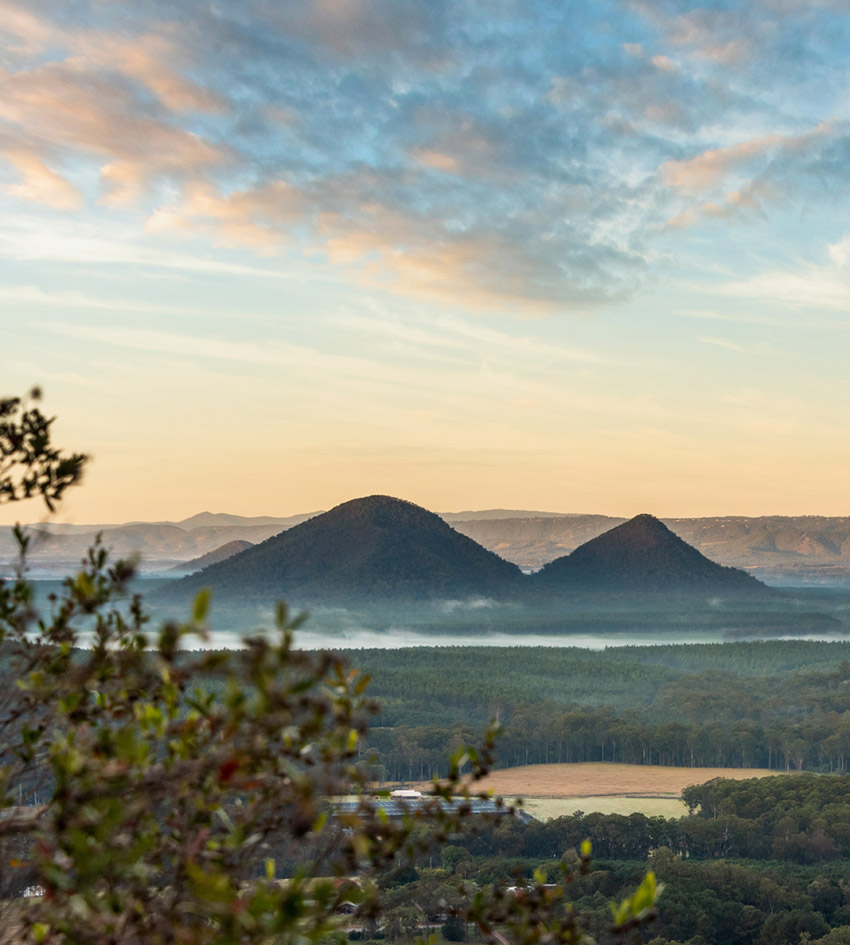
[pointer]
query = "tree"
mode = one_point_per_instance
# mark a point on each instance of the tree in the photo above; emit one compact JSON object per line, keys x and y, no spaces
{"x":161,"y":795}
{"x":29,"y":465}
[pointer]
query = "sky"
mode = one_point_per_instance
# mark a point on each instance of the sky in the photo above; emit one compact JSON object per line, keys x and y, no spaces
{"x":264,"y":257}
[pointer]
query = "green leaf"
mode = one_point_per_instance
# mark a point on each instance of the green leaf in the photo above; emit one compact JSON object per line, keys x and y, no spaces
{"x":40,"y":931}
{"x":201,"y":606}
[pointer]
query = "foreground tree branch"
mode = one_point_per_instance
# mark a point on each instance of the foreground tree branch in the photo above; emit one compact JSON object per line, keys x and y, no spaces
{"x":157,"y":795}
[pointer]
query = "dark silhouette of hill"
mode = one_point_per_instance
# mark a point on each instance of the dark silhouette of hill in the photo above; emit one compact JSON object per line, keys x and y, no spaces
{"x":375,"y":549}
{"x":642,"y":555}
{"x":222,"y":553}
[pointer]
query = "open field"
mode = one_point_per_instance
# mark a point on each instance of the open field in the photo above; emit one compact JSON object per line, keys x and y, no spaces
{"x":547,"y":808}
{"x":585,"y":780}
{"x":555,"y":790}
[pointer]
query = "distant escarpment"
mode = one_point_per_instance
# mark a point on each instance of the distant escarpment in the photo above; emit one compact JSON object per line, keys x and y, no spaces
{"x":373,"y":549}
{"x":222,"y":553}
{"x":641,"y":555}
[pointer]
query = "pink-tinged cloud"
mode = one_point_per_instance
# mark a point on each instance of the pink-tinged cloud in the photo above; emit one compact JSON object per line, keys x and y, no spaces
{"x":258,"y":217}
{"x":459,"y":146}
{"x":436,"y":160}
{"x":483,"y":270}
{"x":24,"y":32}
{"x":64,"y":108}
{"x":40,"y":183}
{"x":707,"y":170}
{"x":152,"y":60}
{"x":703,"y":172}
{"x":146,"y":59}
{"x":752,"y":196}
{"x":705,"y":33}
{"x":664,"y":63}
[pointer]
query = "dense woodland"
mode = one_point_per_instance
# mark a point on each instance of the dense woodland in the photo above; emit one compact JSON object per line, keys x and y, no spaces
{"x":759,"y":862}
{"x":781,"y":705}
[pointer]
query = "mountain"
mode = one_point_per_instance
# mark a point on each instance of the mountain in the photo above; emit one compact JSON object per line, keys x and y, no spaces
{"x":218,"y":519}
{"x":638,"y":556}
{"x":160,"y":544}
{"x":222,"y":553}
{"x":785,"y":549}
{"x":534,"y":540}
{"x":488,"y":515}
{"x":376,"y":548}
{"x":782,"y":550}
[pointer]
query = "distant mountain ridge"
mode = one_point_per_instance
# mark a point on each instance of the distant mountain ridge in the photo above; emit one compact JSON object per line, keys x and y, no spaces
{"x":164,"y":543}
{"x":218,"y":519}
{"x":641,"y":555}
{"x":227,"y":550}
{"x":785,"y":549}
{"x":791,"y":547}
{"x":379,"y":549}
{"x":489,"y":515}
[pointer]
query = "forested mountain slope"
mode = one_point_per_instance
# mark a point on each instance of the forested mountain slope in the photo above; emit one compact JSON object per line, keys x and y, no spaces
{"x":785,"y":548}
{"x":375,"y":548}
{"x":641,"y":555}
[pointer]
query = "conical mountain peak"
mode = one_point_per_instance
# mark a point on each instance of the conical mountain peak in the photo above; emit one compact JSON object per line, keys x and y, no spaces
{"x":376,"y":548}
{"x":642,"y":554}
{"x":384,"y":510}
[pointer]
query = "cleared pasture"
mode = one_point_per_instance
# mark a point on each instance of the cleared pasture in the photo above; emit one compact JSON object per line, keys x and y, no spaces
{"x":547,"y":808}
{"x":604,"y":778}
{"x":556,"y":790}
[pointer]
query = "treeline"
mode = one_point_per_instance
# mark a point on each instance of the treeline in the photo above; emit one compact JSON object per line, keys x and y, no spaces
{"x":760,"y":862}
{"x":801,"y":819}
{"x":541,"y":735}
{"x":446,"y":684}
{"x":678,"y":705}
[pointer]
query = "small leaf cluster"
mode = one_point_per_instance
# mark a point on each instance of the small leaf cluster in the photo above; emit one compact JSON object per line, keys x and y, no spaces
{"x":29,"y":465}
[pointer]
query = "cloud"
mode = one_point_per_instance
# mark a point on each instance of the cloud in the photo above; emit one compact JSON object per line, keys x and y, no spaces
{"x":147,"y":58}
{"x":37,"y":296}
{"x":100,"y":242}
{"x":421,"y":148}
{"x":704,"y":171}
{"x":40,"y":183}
{"x":751,"y":196}
{"x":775,"y":160}
{"x":461,"y":334}
{"x":63,"y":106}
{"x":664,"y":63}
{"x":83,"y":96}
{"x":720,"y":343}
{"x":259,"y":217}
{"x":811,"y":286}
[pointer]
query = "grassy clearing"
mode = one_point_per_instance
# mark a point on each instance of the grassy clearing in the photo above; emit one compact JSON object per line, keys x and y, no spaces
{"x":547,"y":808}
{"x":605,"y":779}
{"x":556,"y":790}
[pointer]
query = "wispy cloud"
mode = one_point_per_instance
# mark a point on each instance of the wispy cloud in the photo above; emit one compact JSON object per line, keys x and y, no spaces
{"x":815,"y":286}
{"x":95,"y":243}
{"x":720,"y":343}
{"x":456,"y":333}
{"x":82,"y":300}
